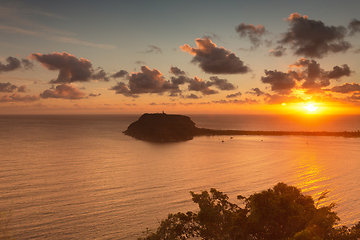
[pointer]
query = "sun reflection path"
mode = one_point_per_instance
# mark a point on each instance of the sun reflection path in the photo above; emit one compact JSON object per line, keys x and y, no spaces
{"x":311,"y":178}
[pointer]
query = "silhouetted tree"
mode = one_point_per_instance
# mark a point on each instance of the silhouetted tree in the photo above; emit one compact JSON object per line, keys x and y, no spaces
{"x":282,"y":212}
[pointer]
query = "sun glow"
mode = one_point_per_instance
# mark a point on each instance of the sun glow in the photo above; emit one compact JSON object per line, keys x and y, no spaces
{"x":310,"y":107}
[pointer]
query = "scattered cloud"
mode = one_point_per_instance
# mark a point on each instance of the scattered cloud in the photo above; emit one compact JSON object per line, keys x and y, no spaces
{"x":119,"y":74}
{"x":18,"y":98}
{"x":63,"y":91}
{"x":162,"y":104}
{"x":213,"y":59}
{"x":199,"y":85}
{"x":279,"y":51}
{"x":153,"y":49}
{"x":81,"y":42}
{"x":192,"y":96}
{"x":18,"y":22}
{"x":354,"y":27}
{"x":94,"y":94}
{"x":121,"y":88}
{"x":254,"y":33}
{"x":237,"y":101}
{"x":315,"y":77}
{"x":101,"y":75}
{"x":180,"y":80}
{"x":280,"y":82}
{"x":308,"y":75}
{"x":14,"y":64}
{"x":234,"y":95}
{"x":176,"y":71}
{"x":146,"y":81}
{"x":279,"y":99}
{"x":7,"y":87}
{"x":345,"y":88}
{"x":71,"y":69}
{"x":22,"y":88}
{"x":311,"y":38}
{"x":222,"y":84}
{"x":256,"y":91}
{"x":355,"y":96}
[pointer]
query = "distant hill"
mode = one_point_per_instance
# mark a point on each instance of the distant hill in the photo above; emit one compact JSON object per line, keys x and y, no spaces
{"x":161,"y":127}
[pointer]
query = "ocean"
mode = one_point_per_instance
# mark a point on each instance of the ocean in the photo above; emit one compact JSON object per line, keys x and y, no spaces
{"x":80,"y":177}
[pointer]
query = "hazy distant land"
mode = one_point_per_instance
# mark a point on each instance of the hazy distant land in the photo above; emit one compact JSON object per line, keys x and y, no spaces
{"x":161,"y":127}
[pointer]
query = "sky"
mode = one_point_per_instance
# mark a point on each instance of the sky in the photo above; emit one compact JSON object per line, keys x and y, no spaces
{"x":216,"y":57}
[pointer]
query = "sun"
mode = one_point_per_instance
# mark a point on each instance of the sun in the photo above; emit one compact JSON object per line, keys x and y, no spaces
{"x":310,"y":107}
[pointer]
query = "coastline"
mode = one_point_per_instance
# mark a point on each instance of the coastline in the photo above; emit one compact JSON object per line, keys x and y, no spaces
{"x":162,"y":127}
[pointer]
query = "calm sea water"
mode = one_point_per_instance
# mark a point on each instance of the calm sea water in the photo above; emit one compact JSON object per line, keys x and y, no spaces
{"x":79,"y":177}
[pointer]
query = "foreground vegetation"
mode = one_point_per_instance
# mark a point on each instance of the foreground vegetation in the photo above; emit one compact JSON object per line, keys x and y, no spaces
{"x":282,"y":212}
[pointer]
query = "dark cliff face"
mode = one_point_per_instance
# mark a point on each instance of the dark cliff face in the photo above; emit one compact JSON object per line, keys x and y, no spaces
{"x":162,"y":128}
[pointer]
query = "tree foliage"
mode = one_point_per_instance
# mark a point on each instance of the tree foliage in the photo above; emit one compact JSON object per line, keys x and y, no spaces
{"x":282,"y":213}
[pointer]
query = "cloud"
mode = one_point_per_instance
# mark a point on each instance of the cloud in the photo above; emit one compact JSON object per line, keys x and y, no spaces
{"x":279,"y":99}
{"x":63,"y":91}
{"x":121,"y":88}
{"x":237,"y":101}
{"x":339,"y":72}
{"x":256,"y":91}
{"x":212,"y":36}
{"x":308,"y":75}
{"x":315,"y":77}
{"x":311,"y":38}
{"x":279,"y":51}
{"x":234,"y":95}
{"x":26,"y":64}
{"x":215,"y":60}
{"x":280,"y":82}
{"x":222,"y":84}
{"x":94,"y":94}
{"x":28,"y":27}
{"x":199,"y":85}
{"x":176,"y":71}
{"x":180,"y":80}
{"x":354,"y":27}
{"x":146,"y":81}
{"x":81,"y":42}
{"x":192,"y":96}
{"x":101,"y":75}
{"x":139,"y":62}
{"x":345,"y":88}
{"x":8,"y":87}
{"x":17,"y":98}
{"x":22,"y":88}
{"x":14,"y":64}
{"x":355,"y":96}
{"x":71,"y":69}
{"x":153,"y":49}
{"x":254,"y":33}
{"x":119,"y":74}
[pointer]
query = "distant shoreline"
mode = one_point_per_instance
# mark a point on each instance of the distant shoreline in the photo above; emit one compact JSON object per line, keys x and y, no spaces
{"x":212,"y":132}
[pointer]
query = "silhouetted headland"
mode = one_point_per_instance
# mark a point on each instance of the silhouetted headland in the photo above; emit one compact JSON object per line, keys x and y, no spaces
{"x":161,"y":127}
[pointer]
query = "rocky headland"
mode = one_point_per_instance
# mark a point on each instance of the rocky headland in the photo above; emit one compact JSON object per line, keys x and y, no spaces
{"x":161,"y":127}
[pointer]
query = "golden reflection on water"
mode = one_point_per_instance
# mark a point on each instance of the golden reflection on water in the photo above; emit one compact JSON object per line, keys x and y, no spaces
{"x":311,"y":176}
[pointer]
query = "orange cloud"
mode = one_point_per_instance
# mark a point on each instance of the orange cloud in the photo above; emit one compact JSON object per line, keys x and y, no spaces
{"x":63,"y":91}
